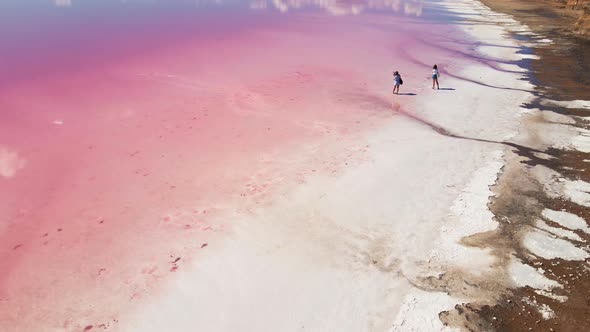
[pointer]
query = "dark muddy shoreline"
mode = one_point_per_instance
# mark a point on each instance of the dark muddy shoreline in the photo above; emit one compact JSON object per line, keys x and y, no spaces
{"x":560,"y":74}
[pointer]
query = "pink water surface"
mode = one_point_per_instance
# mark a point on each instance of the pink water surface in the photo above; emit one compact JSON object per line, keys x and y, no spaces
{"x":129,"y":134}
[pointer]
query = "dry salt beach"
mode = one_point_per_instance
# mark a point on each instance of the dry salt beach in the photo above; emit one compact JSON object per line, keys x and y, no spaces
{"x":243,"y":165}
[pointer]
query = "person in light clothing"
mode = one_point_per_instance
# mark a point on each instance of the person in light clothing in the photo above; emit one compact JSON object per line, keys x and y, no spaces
{"x":435,"y":75}
{"x":397,"y":81}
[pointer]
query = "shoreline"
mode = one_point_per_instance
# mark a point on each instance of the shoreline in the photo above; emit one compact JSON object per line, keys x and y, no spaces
{"x":305,"y":188}
{"x":358,"y":243}
{"x":452,"y":270}
{"x":558,"y":300}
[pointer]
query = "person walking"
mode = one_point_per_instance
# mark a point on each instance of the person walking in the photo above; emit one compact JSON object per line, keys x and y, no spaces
{"x":397,"y":81}
{"x":435,"y":75}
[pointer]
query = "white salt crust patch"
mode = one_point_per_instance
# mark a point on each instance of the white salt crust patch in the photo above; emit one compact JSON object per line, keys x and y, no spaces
{"x":511,"y":67}
{"x":556,"y":186}
{"x":10,"y":162}
{"x":543,"y":309}
{"x":544,"y":245}
{"x":567,"y":220}
{"x":417,"y":306}
{"x":546,"y":312}
{"x":583,"y":104}
{"x":578,"y":192}
{"x":551,"y":180}
{"x":560,"y":298}
{"x":582,"y":141}
{"x":523,"y":275}
{"x":563,"y":233}
{"x":471,"y":216}
{"x":543,"y":155}
{"x":557,"y":118}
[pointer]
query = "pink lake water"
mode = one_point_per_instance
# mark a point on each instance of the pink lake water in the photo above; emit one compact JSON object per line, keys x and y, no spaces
{"x":130,"y":130}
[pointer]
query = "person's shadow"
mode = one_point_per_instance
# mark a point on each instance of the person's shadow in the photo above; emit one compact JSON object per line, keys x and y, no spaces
{"x":447,"y":89}
{"x":406,"y":94}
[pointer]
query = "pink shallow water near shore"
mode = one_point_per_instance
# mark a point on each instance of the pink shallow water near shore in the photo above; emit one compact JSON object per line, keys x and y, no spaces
{"x":117,"y":168}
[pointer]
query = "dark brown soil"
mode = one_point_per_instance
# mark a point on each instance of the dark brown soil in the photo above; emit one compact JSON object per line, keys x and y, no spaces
{"x":564,"y":16}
